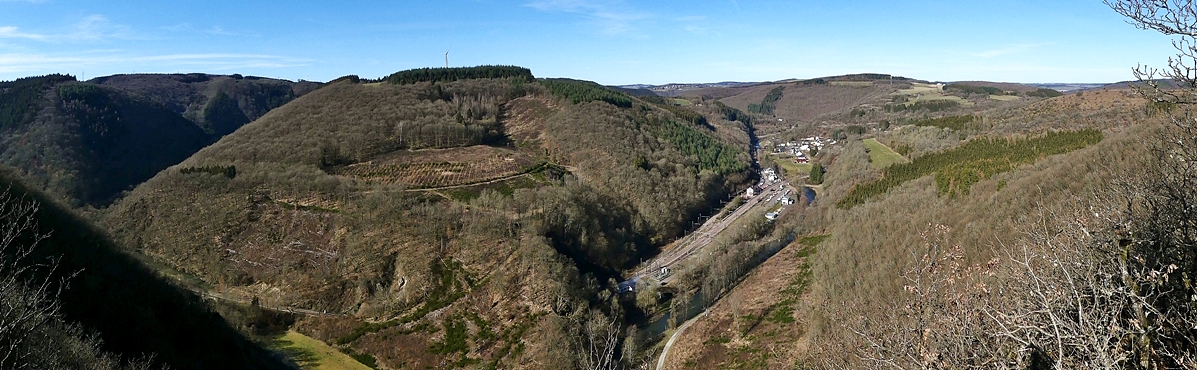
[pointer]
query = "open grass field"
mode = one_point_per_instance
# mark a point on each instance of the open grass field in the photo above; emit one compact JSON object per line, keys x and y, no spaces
{"x":1004,"y":97}
{"x":313,"y":354}
{"x":682,"y":102}
{"x":436,"y":168}
{"x":852,"y":83}
{"x":882,"y":156}
{"x":918,"y":88}
{"x":924,"y":92}
{"x":789,"y":167}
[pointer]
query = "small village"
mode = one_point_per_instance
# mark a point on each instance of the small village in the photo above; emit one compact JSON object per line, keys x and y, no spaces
{"x":804,"y":149}
{"x":801,"y":152}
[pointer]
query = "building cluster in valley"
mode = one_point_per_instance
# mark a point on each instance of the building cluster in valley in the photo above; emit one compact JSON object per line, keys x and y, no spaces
{"x":768,"y":178}
{"x":802,"y":150}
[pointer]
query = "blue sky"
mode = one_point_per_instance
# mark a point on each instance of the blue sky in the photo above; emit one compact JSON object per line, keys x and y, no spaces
{"x":611,"y":42}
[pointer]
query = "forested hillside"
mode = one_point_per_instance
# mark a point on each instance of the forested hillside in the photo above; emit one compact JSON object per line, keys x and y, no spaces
{"x":218,"y":104}
{"x":1013,"y":228}
{"x":86,"y":143}
{"x":74,"y":299}
{"x":366,"y":201}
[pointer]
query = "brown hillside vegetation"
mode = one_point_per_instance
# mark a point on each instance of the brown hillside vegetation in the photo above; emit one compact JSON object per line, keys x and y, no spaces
{"x":433,"y":168}
{"x":852,"y":313}
{"x":320,"y":214}
{"x":808,"y":102}
{"x":524,"y":119}
{"x":857,"y":273}
{"x":74,"y":300}
{"x":754,"y":325}
{"x":87,"y":142}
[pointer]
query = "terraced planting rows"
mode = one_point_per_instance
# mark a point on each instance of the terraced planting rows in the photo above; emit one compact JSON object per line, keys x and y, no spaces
{"x":423,"y":175}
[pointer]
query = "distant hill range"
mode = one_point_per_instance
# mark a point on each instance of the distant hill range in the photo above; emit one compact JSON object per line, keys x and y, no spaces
{"x":86,"y":142}
{"x":1070,"y":87}
{"x":219,"y":104}
{"x":684,"y":86}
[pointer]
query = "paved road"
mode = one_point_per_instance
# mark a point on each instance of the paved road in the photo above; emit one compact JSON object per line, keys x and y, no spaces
{"x":665,"y":351}
{"x":699,"y":239}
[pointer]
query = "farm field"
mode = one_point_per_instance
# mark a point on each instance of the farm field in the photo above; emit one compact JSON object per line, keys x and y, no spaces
{"x":923,"y":92}
{"x":313,"y":354}
{"x":789,"y":167}
{"x":882,"y":156}
{"x":682,"y":102}
{"x":918,"y":88}
{"x":852,"y":83}
{"x":1004,"y":97}
{"x":438,"y":168}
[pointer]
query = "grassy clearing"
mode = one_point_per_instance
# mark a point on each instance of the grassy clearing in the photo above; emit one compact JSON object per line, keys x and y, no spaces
{"x":783,"y":312}
{"x":882,"y":156}
{"x":1004,"y":97}
{"x":682,"y":102}
{"x":310,"y":353}
{"x":918,"y":88}
{"x":925,"y":92}
{"x":852,"y":83}
{"x":790,"y":166}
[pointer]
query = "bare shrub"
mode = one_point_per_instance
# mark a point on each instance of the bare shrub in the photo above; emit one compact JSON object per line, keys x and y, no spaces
{"x":33,"y":334}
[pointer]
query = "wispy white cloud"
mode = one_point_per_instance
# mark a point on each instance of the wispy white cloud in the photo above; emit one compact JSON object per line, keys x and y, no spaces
{"x":91,"y":28}
{"x":15,"y":63}
{"x":695,"y":24}
{"x":1010,"y":50}
{"x":11,"y":32}
{"x":206,"y":32}
{"x":612,"y":17}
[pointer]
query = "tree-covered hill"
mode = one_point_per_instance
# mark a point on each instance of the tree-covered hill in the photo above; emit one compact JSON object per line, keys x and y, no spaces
{"x":217,"y":103}
{"x":74,"y":299}
{"x":462,"y":274}
{"x":86,"y":143}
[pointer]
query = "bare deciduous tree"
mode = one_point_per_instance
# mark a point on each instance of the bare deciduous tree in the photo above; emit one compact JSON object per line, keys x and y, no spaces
{"x":1177,"y":18}
{"x":33,"y":334}
{"x":597,"y":340}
